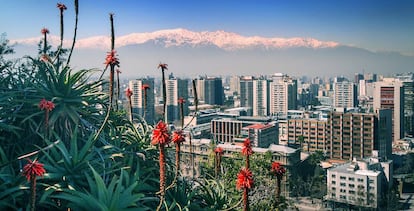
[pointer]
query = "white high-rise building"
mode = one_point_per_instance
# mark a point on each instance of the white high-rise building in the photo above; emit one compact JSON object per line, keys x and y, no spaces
{"x":344,"y":94}
{"x":389,"y":94}
{"x":283,"y":94}
{"x":138,"y":101}
{"x":261,"y":97}
{"x":176,"y":89}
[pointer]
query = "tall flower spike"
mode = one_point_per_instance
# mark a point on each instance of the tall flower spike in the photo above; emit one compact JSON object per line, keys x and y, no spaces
{"x":247,"y":147}
{"x":33,"y":169}
{"x":218,"y":150}
{"x":44,"y":31}
{"x":278,"y":169}
{"x":128,"y":93}
{"x":160,"y":134}
{"x":244,"y":179}
{"x":61,"y":7}
{"x":111,"y":59}
{"x":178,"y":136}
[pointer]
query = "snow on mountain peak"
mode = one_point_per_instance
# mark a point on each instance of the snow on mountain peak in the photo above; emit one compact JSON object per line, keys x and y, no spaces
{"x":179,"y":37}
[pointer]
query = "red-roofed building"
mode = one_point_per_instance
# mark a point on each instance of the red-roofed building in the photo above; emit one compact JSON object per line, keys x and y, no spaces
{"x":261,"y":135}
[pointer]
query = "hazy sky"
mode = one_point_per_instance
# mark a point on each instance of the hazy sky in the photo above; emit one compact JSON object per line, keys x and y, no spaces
{"x":379,"y":25}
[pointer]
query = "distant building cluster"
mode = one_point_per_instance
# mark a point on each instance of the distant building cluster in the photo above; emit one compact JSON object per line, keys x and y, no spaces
{"x":357,"y":124}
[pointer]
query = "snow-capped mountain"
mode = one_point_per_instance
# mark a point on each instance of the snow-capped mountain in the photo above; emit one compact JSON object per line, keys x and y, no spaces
{"x":183,"y":37}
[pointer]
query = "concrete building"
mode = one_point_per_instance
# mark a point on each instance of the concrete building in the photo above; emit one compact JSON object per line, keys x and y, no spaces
{"x":356,"y":135}
{"x":213,"y":92}
{"x":261,"y":102}
{"x":359,"y":182}
{"x":138,"y":101}
{"x":312,"y":130}
{"x":283,"y":94}
{"x":345,"y":94}
{"x":261,"y":135}
{"x":389,"y":94}
{"x":246,"y":91}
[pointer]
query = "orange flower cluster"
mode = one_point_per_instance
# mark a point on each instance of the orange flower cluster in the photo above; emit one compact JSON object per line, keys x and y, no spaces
{"x":244,"y":179}
{"x":278,"y":169}
{"x":128,"y":92}
{"x":178,"y":136}
{"x":160,"y":134}
{"x":44,"y":31}
{"x":33,"y":169}
{"x":111,"y":59}
{"x":247,"y":148}
{"x":61,"y":6}
{"x":46,"y":105}
{"x":218,"y":150}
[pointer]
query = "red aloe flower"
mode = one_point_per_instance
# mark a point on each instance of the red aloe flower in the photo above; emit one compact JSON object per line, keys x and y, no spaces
{"x":181,"y":100}
{"x":145,"y":86}
{"x":47,"y":106}
{"x":178,"y":136}
{"x":111,"y":59}
{"x":44,"y":31}
{"x":128,"y":93}
{"x":278,"y":170}
{"x":161,"y":137}
{"x":244,"y":179}
{"x":33,"y":169}
{"x":218,"y":150}
{"x":44,"y":58}
{"x":245,"y":182}
{"x":61,"y":6}
{"x":247,"y":147}
{"x":160,"y":134}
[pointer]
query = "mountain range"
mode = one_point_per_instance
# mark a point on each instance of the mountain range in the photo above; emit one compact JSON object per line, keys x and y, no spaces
{"x":190,"y":53}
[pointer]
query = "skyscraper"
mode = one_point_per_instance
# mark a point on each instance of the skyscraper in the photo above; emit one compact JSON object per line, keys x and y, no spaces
{"x":176,"y":89}
{"x":389,"y":94}
{"x":261,"y":101}
{"x":138,"y":100}
{"x":345,"y":94}
{"x":246,"y":91}
{"x":213,"y":90}
{"x":283,"y":94}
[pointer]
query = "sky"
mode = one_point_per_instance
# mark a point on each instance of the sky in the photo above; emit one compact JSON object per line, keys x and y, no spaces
{"x":377,"y":25}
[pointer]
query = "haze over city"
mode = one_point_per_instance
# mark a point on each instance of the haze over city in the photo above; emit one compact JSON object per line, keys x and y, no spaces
{"x":234,"y":37}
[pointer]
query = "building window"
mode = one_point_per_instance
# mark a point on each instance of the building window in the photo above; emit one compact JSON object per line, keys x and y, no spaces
{"x":342,"y":178}
{"x":333,"y":182}
{"x":351,"y":192}
{"x":351,"y":179}
{"x":351,"y":185}
{"x":333,"y":176}
{"x":342,"y":197}
{"x":360,"y":180}
{"x":343,"y":184}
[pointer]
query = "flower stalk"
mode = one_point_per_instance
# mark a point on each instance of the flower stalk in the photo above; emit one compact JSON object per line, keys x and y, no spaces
{"x":161,"y":137}
{"x":31,"y":171}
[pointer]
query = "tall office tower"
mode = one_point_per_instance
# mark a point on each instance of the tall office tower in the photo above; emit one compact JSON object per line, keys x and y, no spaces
{"x":356,"y":135}
{"x":235,"y":85}
{"x":176,"y":89}
{"x":261,"y":97}
{"x":138,"y":101}
{"x":389,"y":94}
{"x":213,"y":91}
{"x":409,"y":108}
{"x":345,"y":94}
{"x":246,"y":91}
{"x":200,"y":88}
{"x":283,"y":94}
{"x":358,"y":77}
{"x":313,"y":132}
{"x":408,"y":84}
{"x":371,"y":77}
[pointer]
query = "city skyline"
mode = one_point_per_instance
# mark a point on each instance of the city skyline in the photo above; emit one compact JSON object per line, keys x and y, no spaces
{"x":371,"y":36}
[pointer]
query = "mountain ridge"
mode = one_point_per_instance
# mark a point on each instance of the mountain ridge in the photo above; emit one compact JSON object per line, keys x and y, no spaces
{"x":179,"y":36}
